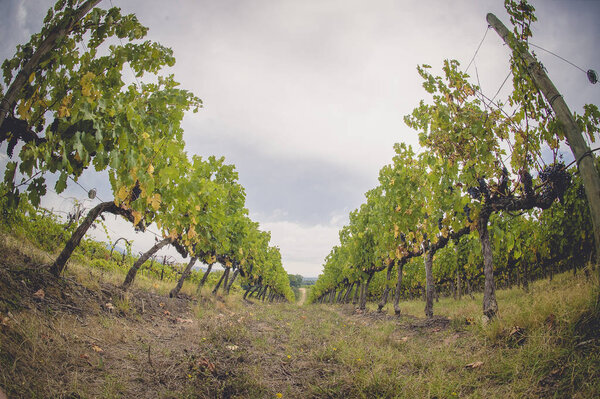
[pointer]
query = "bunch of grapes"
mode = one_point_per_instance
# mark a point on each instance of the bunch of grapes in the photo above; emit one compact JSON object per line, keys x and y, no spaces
{"x":468,"y":213}
{"x":503,"y":183}
{"x":136,"y":191}
{"x":556,"y":180}
{"x":474,"y":192}
{"x":481,"y":190}
{"x":483,"y":187}
{"x":527,"y":182}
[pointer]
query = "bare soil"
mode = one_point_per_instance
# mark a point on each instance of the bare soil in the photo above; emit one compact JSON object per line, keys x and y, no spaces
{"x":78,"y":338}
{"x":62,"y":339}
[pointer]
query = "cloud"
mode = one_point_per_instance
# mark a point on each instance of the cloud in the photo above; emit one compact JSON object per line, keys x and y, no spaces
{"x":21,"y":15}
{"x":303,"y":247}
{"x":307,"y":98}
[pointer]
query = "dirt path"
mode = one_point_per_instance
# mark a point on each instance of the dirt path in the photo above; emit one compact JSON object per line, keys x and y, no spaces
{"x":302,"y":296}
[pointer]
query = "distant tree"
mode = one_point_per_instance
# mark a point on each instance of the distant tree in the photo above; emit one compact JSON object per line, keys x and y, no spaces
{"x":295,"y":280}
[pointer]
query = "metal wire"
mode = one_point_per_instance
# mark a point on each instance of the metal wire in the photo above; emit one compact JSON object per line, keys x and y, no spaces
{"x":478,"y":47}
{"x":558,"y":56}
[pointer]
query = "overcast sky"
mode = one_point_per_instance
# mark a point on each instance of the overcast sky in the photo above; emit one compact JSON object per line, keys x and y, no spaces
{"x":307,"y":98}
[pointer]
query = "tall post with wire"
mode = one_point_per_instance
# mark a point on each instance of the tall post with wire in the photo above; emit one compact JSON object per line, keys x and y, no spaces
{"x":581,"y":152}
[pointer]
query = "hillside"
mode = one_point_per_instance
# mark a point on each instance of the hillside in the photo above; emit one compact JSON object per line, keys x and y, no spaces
{"x":81,"y":336}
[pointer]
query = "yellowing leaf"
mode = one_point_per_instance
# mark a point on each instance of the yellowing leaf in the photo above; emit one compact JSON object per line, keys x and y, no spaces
{"x":122,"y":193}
{"x":474,"y":365}
{"x":31,"y":77}
{"x":396,"y":231}
{"x":137,"y":217}
{"x":197,"y":207}
{"x":86,"y":84}
{"x":150,"y":169}
{"x":23,"y":109}
{"x":154,"y":201}
{"x":145,"y":135}
{"x":192,"y":233}
{"x":63,"y":112}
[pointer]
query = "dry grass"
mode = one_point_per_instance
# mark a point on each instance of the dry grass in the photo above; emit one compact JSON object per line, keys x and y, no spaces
{"x":212,"y":347}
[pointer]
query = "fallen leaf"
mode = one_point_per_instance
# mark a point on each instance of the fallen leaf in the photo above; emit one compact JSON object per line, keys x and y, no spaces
{"x":39,"y":294}
{"x":404,"y":339}
{"x":206,"y":364}
{"x":162,"y":305}
{"x":84,"y":356}
{"x":231,"y":347}
{"x":166,"y":313}
{"x":551,"y":320}
{"x":180,"y":320}
{"x":451,"y":339}
{"x":109,"y":306}
{"x":97,"y":349}
{"x":517,"y":335}
{"x":474,"y":365}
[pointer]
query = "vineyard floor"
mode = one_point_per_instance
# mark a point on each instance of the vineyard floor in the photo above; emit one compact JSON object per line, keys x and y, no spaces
{"x":81,"y":337}
{"x":302,"y":296}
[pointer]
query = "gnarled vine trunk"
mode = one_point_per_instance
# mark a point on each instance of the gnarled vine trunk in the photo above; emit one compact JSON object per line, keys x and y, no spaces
{"x":346,"y":298}
{"x":386,"y":290}
{"x":364,"y":291}
{"x":429,"y":289}
{"x":223,"y":278}
{"x":397,"y":310}
{"x":231,"y":280}
{"x":109,"y":206}
{"x":175,"y":291}
{"x":134,"y":269}
{"x":356,"y":292}
{"x":490,"y":306}
{"x":204,"y":278}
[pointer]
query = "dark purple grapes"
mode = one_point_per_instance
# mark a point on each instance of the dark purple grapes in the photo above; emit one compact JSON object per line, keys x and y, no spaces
{"x":556,"y":180}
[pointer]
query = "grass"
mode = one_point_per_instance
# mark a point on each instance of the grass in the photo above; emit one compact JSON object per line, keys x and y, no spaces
{"x":543,"y":344}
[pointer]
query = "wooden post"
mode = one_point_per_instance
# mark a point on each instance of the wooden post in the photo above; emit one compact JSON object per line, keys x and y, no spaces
{"x":581,"y":152}
{"x":56,"y":34}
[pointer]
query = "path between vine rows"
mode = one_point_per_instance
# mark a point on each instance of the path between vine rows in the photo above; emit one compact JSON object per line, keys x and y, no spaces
{"x":302,"y":296}
{"x":72,"y":340}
